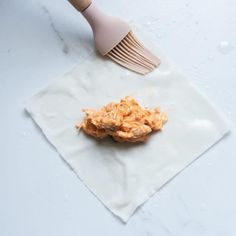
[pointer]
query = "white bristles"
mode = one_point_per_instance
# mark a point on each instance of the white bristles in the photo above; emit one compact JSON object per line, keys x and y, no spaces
{"x":131,"y":54}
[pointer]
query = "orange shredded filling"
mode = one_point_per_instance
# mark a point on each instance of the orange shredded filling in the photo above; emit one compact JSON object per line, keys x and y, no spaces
{"x":125,"y":121}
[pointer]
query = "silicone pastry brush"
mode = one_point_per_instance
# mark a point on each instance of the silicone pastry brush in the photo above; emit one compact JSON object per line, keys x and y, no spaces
{"x":114,"y":38}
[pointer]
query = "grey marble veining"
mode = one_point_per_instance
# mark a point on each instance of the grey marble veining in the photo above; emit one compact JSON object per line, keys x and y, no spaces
{"x":65,"y":47}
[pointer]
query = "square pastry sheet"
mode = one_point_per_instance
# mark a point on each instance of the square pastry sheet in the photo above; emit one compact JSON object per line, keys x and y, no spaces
{"x":124,"y":176}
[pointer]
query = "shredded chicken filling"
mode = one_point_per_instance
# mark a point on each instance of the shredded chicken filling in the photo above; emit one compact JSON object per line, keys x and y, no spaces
{"x":125,"y":121}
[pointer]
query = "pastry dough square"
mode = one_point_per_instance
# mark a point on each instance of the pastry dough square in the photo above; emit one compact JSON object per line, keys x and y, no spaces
{"x":123,"y":176}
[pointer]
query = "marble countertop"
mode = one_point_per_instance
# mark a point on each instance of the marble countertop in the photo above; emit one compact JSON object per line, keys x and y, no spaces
{"x":40,"y":41}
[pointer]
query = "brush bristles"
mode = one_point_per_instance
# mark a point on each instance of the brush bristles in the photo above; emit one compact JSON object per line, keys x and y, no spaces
{"x":131,"y":54}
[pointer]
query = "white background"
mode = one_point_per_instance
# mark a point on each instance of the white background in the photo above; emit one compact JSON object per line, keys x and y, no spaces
{"x":39,"y":195}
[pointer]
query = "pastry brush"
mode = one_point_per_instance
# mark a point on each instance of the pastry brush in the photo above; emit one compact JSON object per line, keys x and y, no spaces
{"x":113,"y":38}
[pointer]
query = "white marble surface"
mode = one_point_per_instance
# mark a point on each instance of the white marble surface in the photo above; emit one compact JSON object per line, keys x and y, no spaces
{"x":39,"y":195}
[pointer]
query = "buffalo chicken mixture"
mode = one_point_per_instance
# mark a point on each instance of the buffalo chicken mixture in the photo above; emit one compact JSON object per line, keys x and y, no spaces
{"x":125,"y":121}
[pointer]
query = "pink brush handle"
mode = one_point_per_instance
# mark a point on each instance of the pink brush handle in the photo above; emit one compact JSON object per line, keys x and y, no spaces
{"x":81,"y":5}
